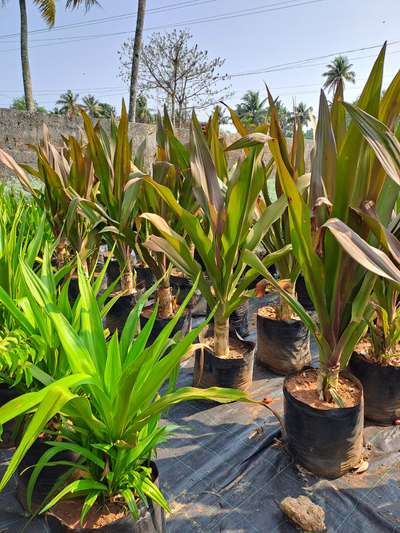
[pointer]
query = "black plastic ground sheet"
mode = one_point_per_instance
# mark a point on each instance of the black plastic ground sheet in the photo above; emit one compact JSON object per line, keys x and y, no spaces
{"x":226,"y":470}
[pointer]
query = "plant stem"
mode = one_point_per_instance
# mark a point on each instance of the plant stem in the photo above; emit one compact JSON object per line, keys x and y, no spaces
{"x":286,"y":311}
{"x":62,"y":253}
{"x":328,"y":378}
{"x":165,"y":307}
{"x":127,"y":284}
{"x":221,"y":336}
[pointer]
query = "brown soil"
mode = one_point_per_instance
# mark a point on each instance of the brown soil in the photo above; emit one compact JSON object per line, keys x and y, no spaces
{"x":69,"y":511}
{"x":236,"y":347}
{"x":271,"y":312}
{"x":303,"y":387}
{"x":365,"y":348}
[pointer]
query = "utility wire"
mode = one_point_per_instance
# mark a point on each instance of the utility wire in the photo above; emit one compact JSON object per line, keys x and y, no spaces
{"x":116,"y":18}
{"x":119,"y":90}
{"x":214,"y":18}
{"x":116,"y":89}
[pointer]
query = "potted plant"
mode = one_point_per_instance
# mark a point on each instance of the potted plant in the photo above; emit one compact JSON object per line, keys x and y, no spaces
{"x":115,"y":207}
{"x":109,"y":410}
{"x":170,"y":170}
{"x":324,"y":407}
{"x":226,"y":229}
{"x":283,"y":340}
{"x":22,"y":230}
{"x":375,"y":361}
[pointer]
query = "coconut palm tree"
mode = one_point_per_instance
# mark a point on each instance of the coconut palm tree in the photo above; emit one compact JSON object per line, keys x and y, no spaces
{"x":92,"y":106}
{"x":339,"y":70}
{"x":107,"y":110}
{"x":68,"y":103}
{"x":19,"y":103}
{"x":137,"y":48}
{"x":303,"y":113}
{"x":47,"y":10}
{"x":252,"y":109}
{"x":285,"y":117}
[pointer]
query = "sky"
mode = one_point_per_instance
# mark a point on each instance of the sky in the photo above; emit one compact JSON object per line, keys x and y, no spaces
{"x":268,"y":37}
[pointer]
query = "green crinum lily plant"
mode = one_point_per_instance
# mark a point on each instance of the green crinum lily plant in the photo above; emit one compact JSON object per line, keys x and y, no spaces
{"x":108,"y":409}
{"x":351,"y":164}
{"x":225,"y":230}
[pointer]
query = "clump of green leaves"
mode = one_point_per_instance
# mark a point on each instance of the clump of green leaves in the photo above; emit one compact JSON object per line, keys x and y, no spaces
{"x":16,"y":356}
{"x":352,"y":163}
{"x":110,"y":400}
{"x":384,"y":329}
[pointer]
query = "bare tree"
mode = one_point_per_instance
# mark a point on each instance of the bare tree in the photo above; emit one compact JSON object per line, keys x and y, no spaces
{"x":136,"y":52}
{"x":186,"y":76}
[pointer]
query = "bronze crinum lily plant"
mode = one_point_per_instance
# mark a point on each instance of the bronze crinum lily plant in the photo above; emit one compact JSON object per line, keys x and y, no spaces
{"x":354,"y":161}
{"x":60,"y":176}
{"x":170,"y":169}
{"x":278,"y":235}
{"x":223,"y":230}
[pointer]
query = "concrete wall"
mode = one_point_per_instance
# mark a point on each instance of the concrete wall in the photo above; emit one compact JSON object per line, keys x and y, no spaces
{"x":20,"y":128}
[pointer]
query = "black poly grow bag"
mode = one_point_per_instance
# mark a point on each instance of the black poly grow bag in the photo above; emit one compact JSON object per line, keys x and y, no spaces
{"x":184,"y":325}
{"x":238,"y":321}
{"x":119,"y":312}
{"x":328,"y":442}
{"x":47,"y":477}
{"x":302,"y":294}
{"x":73,"y":288}
{"x":144,"y":277}
{"x":113,"y":271}
{"x":381,"y":384}
{"x":282,"y":345}
{"x":213,"y":371}
{"x":180,"y":287}
{"x":152,"y":520}
{"x":11,"y":430}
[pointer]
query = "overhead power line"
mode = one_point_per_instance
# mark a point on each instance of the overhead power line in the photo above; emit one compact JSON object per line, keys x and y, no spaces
{"x":214,"y":18}
{"x":120,"y":90}
{"x":308,"y":62}
{"x":115,"y":90}
{"x":116,"y":18}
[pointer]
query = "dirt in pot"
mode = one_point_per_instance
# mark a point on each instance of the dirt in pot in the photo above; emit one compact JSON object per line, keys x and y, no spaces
{"x":235,"y":371}
{"x":366,"y":348}
{"x":236,"y":347}
{"x":325,"y":439}
{"x":303,"y":387}
{"x":69,"y":511}
{"x":272,"y":313}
